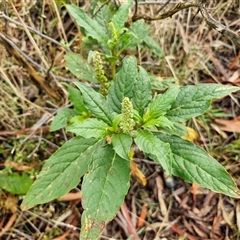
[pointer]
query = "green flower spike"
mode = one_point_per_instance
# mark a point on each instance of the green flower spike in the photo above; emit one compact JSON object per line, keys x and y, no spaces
{"x":127,"y":122}
{"x":98,"y":67}
{"x":113,"y":32}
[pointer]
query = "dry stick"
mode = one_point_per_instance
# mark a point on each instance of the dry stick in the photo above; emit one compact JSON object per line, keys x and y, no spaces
{"x":38,"y":79}
{"x":18,"y":94}
{"x":178,"y":7}
{"x":222,"y":29}
{"x":163,"y":6}
{"x":14,"y":46}
{"x":31,"y":38}
{"x":60,"y":91}
{"x":60,"y":23}
{"x":4,"y":16}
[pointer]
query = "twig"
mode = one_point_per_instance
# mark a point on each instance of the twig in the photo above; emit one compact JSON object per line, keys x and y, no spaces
{"x":156,"y":3}
{"x":100,"y":8}
{"x":222,"y":29}
{"x":135,"y":8}
{"x":163,"y":6}
{"x":14,"y":46}
{"x":4,"y":16}
{"x":178,"y":7}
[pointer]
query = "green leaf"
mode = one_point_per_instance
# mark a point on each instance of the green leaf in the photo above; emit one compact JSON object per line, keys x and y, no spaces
{"x":91,"y":26}
{"x":120,"y":17}
{"x":123,"y":84}
{"x":161,"y":84}
{"x":161,"y":104}
{"x":89,"y":128}
{"x":103,"y":15}
{"x":60,"y":120}
{"x":193,"y":101}
{"x":142,"y":93}
{"x":193,"y":164}
{"x":104,"y":189}
{"x":153,"y":46}
{"x":150,"y":144}
{"x":79,"y":67}
{"x":179,"y":129}
{"x":62,"y":171}
{"x":95,"y":103}
{"x":122,"y":144}
{"x":76,"y":99}
{"x":15,"y":183}
{"x":161,"y":122}
{"x":138,"y":31}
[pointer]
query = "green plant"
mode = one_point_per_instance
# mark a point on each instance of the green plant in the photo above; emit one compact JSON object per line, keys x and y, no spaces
{"x":124,"y":112}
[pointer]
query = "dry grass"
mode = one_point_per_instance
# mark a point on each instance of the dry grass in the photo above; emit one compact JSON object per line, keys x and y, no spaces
{"x":31,"y":96}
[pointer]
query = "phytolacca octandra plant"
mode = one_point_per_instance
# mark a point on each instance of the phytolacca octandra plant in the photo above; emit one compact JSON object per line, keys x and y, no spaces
{"x":101,"y":150}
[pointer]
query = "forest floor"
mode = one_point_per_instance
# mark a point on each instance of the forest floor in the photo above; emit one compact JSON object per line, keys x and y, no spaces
{"x":31,"y":73}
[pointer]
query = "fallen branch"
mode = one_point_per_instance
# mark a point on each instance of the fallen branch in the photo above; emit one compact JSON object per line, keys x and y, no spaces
{"x":222,"y":29}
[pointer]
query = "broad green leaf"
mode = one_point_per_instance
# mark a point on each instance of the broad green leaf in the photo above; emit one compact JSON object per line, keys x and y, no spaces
{"x":123,"y":84}
{"x":89,"y":128}
{"x":95,"y":103}
{"x":161,"y":104}
{"x":142,"y":93}
{"x":161,"y":122}
{"x":161,"y":84}
{"x":137,"y":32}
{"x":193,"y":164}
{"x":153,"y":46}
{"x":122,"y":144}
{"x":193,"y":101}
{"x":104,"y":189}
{"x":91,"y":26}
{"x":15,"y":183}
{"x":103,"y":16}
{"x":136,"y":117}
{"x":79,"y":67}
{"x":179,"y":129}
{"x":62,"y":171}
{"x":150,"y":144}
{"x":120,"y":17}
{"x":76,"y":99}
{"x":60,"y":120}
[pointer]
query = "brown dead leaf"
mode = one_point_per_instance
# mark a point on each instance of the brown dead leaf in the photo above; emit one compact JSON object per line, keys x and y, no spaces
{"x":162,"y":204}
{"x":18,"y":166}
{"x":70,"y":197}
{"x":9,"y":224}
{"x":143,"y":216}
{"x":130,"y":227}
{"x":232,"y":125}
{"x":191,"y":136}
{"x":137,"y":173}
{"x":195,"y":189}
{"x":235,"y":61}
{"x":235,"y":77}
{"x":181,"y":232}
{"x":199,"y":231}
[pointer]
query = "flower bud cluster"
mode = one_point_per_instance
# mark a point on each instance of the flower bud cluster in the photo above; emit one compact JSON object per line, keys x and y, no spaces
{"x":127,"y":122}
{"x":113,"y":32}
{"x":102,"y":79}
